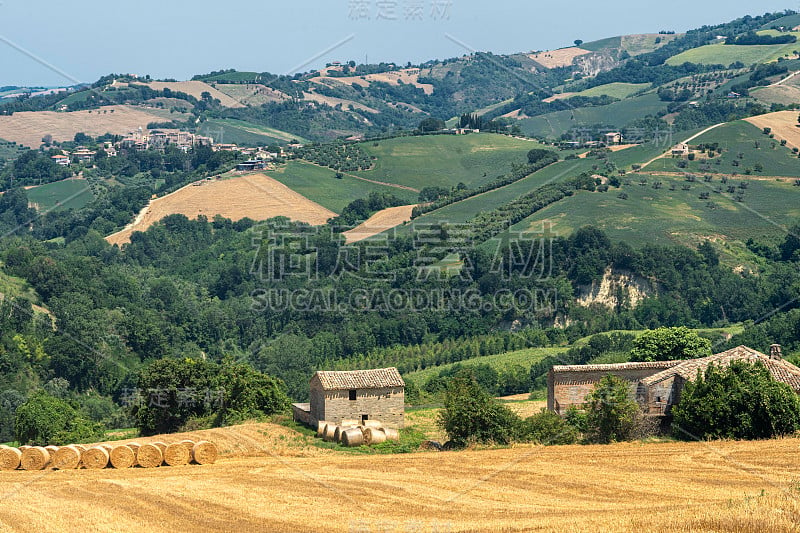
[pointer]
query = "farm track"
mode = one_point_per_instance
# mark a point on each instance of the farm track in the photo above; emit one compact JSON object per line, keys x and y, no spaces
{"x":718,"y":486}
{"x":687,"y":141}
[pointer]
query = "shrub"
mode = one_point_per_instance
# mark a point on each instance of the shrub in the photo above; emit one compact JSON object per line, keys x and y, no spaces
{"x":547,"y":428}
{"x":45,"y":420}
{"x":611,"y":414}
{"x":471,"y":415}
{"x":742,"y":401}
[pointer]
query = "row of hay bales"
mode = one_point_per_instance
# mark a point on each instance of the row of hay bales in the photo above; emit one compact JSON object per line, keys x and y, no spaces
{"x":148,"y":455}
{"x":352,"y":433}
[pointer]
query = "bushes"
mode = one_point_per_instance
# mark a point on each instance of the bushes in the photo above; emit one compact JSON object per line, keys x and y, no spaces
{"x":611,"y":414}
{"x":45,"y":420}
{"x":471,"y":415}
{"x":547,"y":428}
{"x":178,"y":391}
{"x":742,"y":401}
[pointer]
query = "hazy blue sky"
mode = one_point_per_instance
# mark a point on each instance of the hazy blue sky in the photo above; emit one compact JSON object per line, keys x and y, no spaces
{"x":177,"y":38}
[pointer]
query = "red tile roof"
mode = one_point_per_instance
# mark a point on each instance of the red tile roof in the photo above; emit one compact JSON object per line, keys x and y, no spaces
{"x":655,"y":365}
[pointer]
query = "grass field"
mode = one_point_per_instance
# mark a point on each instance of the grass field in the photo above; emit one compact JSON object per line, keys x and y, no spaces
{"x":663,"y":216}
{"x":244,"y":133}
{"x":602,"y":44}
{"x":524,"y":358}
{"x":740,"y":137}
{"x":722,"y":54}
{"x":618,"y":114}
{"x":615,"y":90}
{"x":268,"y":486}
{"x":254,"y":196}
{"x":445,"y":160}
{"x":66,"y":194}
{"x":319,"y":185}
{"x":10,"y":150}
{"x":251,"y":94}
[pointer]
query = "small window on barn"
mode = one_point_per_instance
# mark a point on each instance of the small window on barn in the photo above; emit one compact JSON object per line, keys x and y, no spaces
{"x":364,"y":418}
{"x":353,"y":394}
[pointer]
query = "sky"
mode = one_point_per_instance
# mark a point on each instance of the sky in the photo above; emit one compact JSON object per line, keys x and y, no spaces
{"x":49,"y":43}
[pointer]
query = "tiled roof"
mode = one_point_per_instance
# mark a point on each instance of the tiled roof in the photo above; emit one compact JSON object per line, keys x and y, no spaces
{"x":361,"y":379}
{"x":617,"y":366}
{"x":781,"y":370}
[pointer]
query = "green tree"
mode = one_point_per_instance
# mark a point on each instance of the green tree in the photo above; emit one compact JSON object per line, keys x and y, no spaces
{"x":471,"y":414}
{"x":431,"y":124}
{"x":611,"y":414}
{"x":670,"y":344}
{"x":45,"y":420}
{"x":742,"y":401}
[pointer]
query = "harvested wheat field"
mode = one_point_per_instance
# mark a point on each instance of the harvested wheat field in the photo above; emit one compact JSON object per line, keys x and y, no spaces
{"x":255,"y":196}
{"x":397,"y":77}
{"x":333,"y":102}
{"x":28,"y":127}
{"x":724,"y":486}
{"x":558,"y":58}
{"x":379,"y":222}
{"x":193,"y":88}
{"x":783,"y":123}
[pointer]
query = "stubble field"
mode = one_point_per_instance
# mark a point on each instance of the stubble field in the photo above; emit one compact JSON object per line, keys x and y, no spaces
{"x":721,"y":486}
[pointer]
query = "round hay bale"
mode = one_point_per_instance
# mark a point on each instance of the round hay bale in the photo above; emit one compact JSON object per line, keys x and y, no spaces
{"x":52,"y":450}
{"x":374,"y":436}
{"x":204,"y":453}
{"x":107,"y":447}
{"x":25,"y":447}
{"x":372,"y":424}
{"x":188,"y":443}
{"x":352,"y":437}
{"x":66,"y":458}
{"x":337,"y":434}
{"x":134,"y":446}
{"x":161,"y":446}
{"x":80,"y":447}
{"x":330,"y":431}
{"x":321,"y":427}
{"x":122,"y":457}
{"x":177,"y":454}
{"x":10,"y":458}
{"x":349,"y":423}
{"x":95,"y":457}
{"x":34,"y":458}
{"x":149,"y":456}
{"x":391,"y":434}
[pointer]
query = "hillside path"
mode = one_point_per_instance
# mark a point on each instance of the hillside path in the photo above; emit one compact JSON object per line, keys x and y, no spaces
{"x":784,"y":80}
{"x":687,"y":141}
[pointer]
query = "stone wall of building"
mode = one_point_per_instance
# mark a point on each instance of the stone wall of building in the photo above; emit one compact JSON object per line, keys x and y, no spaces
{"x":570,"y":388}
{"x":386,"y":405}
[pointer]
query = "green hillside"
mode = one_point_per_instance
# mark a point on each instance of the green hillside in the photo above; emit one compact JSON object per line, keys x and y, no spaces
{"x":722,"y":54}
{"x":745,"y":148}
{"x":649,"y":215}
{"x":615,"y":90}
{"x":244,"y":133}
{"x":66,"y":194}
{"x":617,"y":115}
{"x":321,"y":186}
{"x":445,"y":160}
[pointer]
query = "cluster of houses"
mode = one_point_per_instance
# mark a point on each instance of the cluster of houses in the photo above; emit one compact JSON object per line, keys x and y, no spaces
{"x":158,"y":140}
{"x":141,"y":140}
{"x":612,"y":138}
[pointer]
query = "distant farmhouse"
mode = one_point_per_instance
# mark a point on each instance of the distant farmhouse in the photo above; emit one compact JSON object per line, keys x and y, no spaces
{"x":359,"y":395}
{"x":657,"y":385}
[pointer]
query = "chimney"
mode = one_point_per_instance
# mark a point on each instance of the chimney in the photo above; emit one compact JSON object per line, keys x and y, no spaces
{"x":775,"y":352}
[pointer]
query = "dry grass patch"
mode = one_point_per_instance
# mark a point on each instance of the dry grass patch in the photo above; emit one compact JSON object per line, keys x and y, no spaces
{"x":192,"y":88}
{"x":28,"y":127}
{"x":255,"y":196}
{"x":379,"y":222}
{"x":783,"y":123}
{"x":558,"y":58}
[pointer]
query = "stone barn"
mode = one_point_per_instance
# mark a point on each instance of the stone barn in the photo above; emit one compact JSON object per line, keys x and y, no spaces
{"x":359,"y":395}
{"x":656,"y":386}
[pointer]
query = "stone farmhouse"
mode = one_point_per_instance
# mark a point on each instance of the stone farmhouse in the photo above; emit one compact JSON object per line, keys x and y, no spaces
{"x":657,"y":385}
{"x":359,"y":395}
